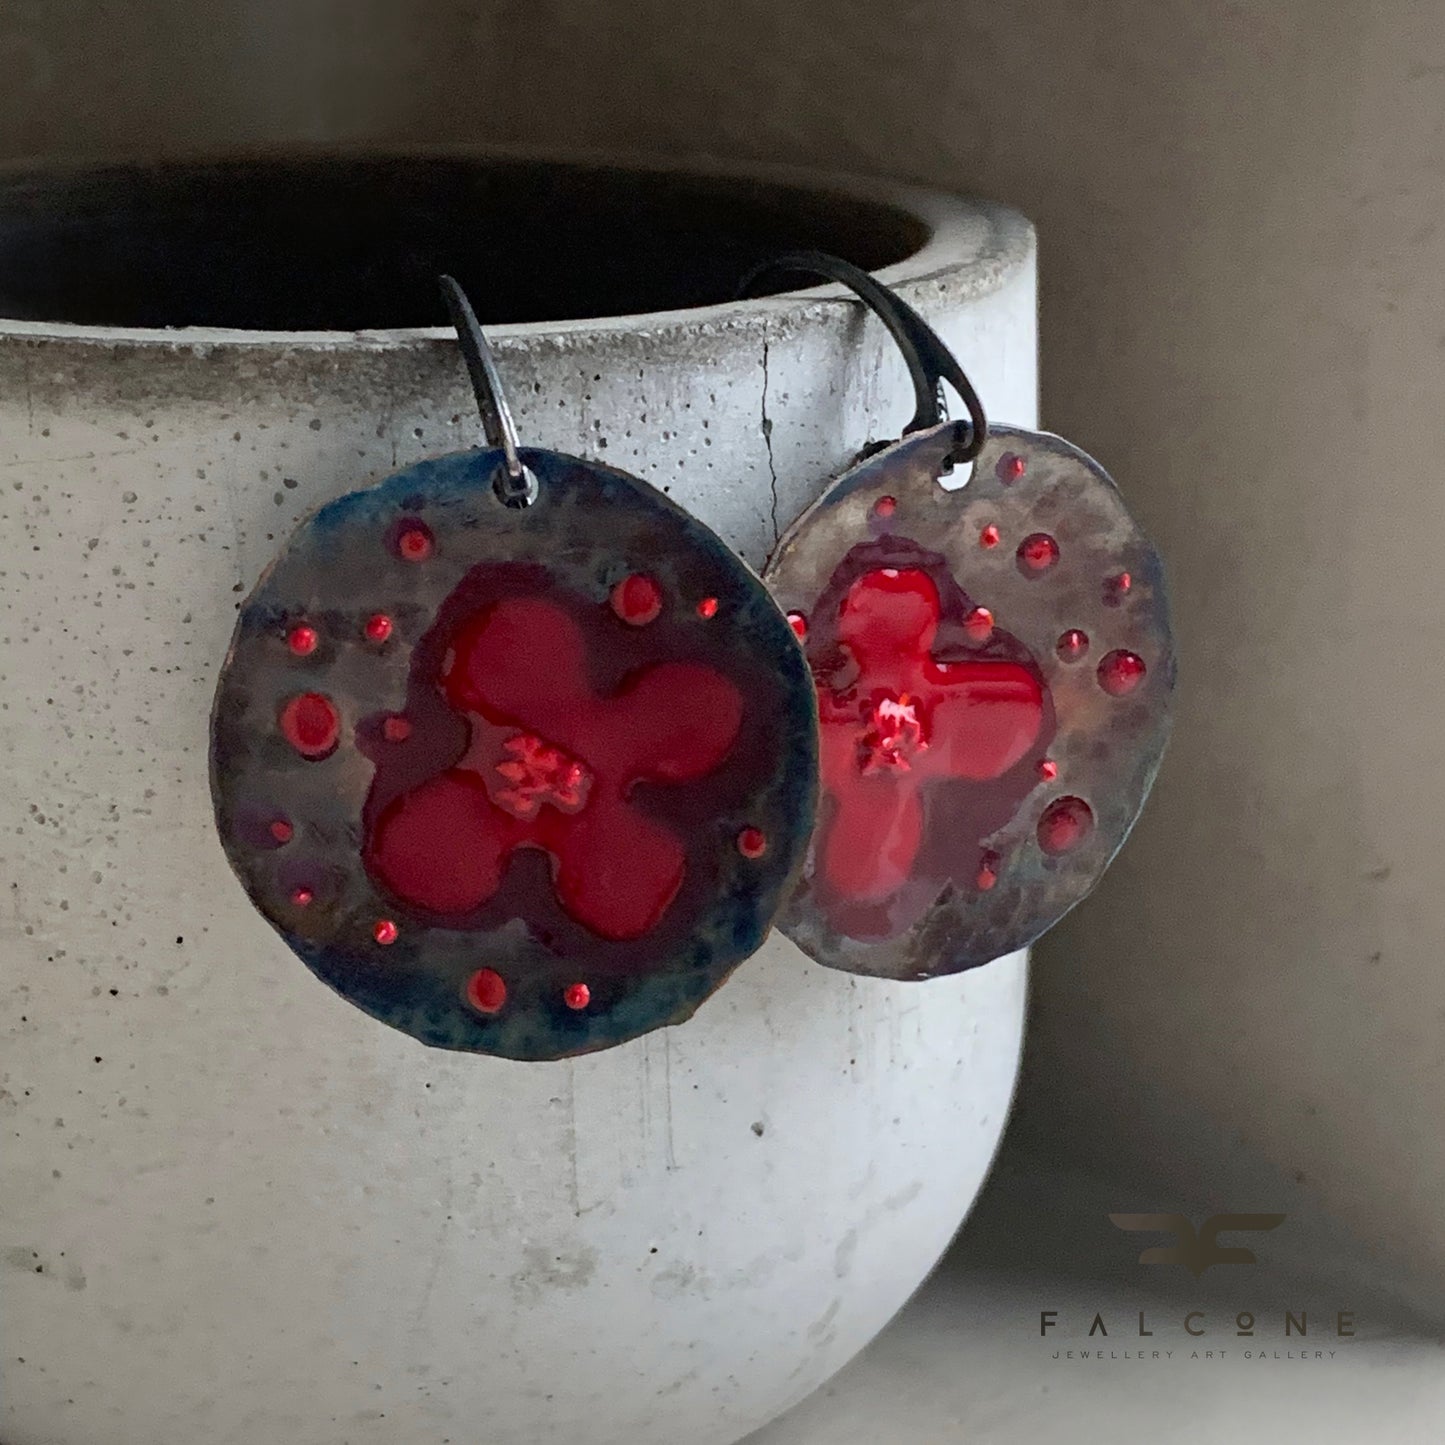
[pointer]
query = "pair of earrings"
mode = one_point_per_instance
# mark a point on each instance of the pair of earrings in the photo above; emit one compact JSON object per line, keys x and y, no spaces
{"x":550,"y":793}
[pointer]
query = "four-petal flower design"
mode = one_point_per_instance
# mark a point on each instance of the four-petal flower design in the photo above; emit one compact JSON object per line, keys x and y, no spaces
{"x":900,"y":722}
{"x":552,"y":765}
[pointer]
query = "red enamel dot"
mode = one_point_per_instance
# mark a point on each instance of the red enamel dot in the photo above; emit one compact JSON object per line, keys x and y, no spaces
{"x":1072,"y":645}
{"x":282,"y":831}
{"x":987,"y":874}
{"x":1048,"y":770}
{"x":577,"y":995}
{"x":884,"y":508}
{"x":979,"y":624}
{"x":989,"y":537}
{"x":385,"y":931}
{"x":1065,"y":823}
{"x":707,"y":607}
{"x":1010,"y":468}
{"x":487,"y":991}
{"x":311,"y":724}
{"x":798,"y":623}
{"x":637,"y":599}
{"x":302,"y":897}
{"x":1116,"y":588}
{"x":1037,"y":552}
{"x":1121,"y":672}
{"x":302,"y":640}
{"x":396,"y":729}
{"x":414,"y":542}
{"x":378,"y":627}
{"x":752,"y":842}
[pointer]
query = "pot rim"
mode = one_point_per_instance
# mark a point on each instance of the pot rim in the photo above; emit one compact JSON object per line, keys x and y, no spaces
{"x":973,"y":247}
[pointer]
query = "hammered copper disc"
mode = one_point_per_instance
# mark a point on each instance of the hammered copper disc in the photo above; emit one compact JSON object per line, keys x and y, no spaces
{"x":994,"y":668}
{"x":525,"y":782}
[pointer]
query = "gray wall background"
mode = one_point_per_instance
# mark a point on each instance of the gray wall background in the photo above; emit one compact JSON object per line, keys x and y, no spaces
{"x":1243,"y":316}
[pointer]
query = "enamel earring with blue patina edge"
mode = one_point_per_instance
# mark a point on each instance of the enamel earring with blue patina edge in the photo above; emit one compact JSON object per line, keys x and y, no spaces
{"x":513,"y":752}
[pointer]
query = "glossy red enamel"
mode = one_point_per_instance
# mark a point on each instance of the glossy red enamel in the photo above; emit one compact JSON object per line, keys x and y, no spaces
{"x":396,"y":729}
{"x":414,"y":541}
{"x":987,"y":874}
{"x":906,"y":720}
{"x":534,"y":773}
{"x":1116,"y":588}
{"x":1037,"y":553}
{"x":637,"y":599}
{"x":892,"y":735}
{"x":1120,"y":672}
{"x":552,"y":765}
{"x":487,"y":991}
{"x":302,"y":640}
{"x":1064,"y":824}
{"x":311,"y":724}
{"x":978,"y":623}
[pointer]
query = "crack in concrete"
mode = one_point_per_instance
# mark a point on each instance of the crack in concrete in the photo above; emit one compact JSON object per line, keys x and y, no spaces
{"x":768,"y":442}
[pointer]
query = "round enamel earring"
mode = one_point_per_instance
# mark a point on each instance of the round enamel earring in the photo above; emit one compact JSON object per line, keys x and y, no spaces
{"x":988,"y":633}
{"x":512,"y":751}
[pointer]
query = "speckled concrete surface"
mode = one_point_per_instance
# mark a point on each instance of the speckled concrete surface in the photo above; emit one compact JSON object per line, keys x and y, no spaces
{"x":1243,"y":307}
{"x":236,"y":1209}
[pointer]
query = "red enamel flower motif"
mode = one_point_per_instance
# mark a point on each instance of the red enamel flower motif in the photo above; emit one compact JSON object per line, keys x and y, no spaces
{"x":898,"y":722}
{"x":552,"y":765}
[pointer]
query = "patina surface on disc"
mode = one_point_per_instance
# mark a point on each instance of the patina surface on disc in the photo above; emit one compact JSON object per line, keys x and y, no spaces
{"x":524,"y":781}
{"x":994,"y":669}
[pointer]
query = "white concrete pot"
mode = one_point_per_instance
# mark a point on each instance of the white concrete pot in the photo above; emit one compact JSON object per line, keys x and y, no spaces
{"x":236,"y":1209}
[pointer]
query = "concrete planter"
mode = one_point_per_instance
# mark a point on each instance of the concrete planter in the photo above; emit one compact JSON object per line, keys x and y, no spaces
{"x":235,"y":1208}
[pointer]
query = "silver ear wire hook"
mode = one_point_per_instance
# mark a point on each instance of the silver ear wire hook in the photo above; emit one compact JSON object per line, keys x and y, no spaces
{"x":516,"y":485}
